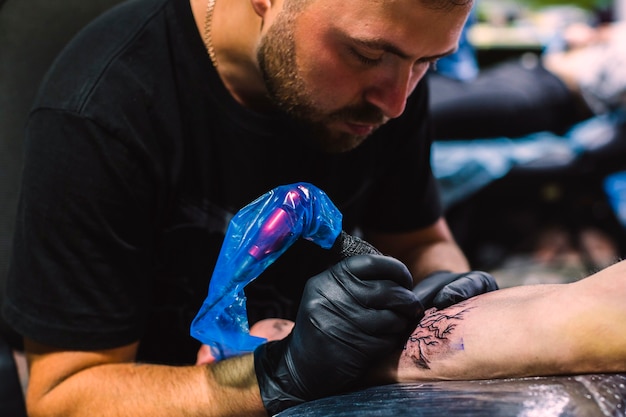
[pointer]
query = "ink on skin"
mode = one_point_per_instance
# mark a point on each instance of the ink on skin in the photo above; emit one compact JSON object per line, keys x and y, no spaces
{"x":279,"y":325}
{"x":458,"y":346}
{"x":433,"y":336}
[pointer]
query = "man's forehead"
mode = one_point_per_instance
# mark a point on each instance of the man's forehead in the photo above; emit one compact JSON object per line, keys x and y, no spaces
{"x":354,"y":6}
{"x":431,"y":4}
{"x":417,"y":34}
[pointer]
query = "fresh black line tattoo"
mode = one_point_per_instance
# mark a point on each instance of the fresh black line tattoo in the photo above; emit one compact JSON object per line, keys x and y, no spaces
{"x":434,"y":335}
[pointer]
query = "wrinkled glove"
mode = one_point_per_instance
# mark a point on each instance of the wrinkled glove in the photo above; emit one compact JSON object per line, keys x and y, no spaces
{"x":443,"y":288}
{"x":351,"y":316}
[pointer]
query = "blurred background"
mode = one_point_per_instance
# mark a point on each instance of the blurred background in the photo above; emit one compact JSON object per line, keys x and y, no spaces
{"x":537,"y":205}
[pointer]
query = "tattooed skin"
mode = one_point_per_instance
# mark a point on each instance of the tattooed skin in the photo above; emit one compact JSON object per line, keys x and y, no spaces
{"x":282,"y":326}
{"x":434,"y":335}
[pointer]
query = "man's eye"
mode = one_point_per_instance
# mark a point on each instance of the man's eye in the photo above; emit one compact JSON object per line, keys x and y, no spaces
{"x":364,"y":59}
{"x":432,"y":65}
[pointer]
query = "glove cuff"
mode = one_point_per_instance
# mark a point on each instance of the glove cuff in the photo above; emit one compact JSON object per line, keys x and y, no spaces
{"x":268,"y":367}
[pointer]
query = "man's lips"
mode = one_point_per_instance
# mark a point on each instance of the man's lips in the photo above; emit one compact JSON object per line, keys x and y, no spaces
{"x":360,"y":129}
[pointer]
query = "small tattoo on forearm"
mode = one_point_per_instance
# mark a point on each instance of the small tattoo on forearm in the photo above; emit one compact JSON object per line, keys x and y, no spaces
{"x":434,"y":336}
{"x":279,"y":325}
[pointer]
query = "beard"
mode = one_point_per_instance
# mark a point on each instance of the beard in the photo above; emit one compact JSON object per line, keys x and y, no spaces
{"x":277,"y":60}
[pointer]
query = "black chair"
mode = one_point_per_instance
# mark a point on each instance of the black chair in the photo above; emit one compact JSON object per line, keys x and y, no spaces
{"x":32,"y":32}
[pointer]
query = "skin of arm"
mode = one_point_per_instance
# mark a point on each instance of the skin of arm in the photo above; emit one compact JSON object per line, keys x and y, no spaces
{"x":424,"y":251}
{"x":109,"y":383}
{"x":523,"y":331}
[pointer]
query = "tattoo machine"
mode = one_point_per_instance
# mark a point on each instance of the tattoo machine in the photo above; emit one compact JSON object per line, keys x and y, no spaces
{"x":256,"y":236}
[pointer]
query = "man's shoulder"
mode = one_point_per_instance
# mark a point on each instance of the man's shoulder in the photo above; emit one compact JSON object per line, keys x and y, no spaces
{"x":95,"y":56}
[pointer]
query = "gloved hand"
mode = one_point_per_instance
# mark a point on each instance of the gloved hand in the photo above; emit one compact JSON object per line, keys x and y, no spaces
{"x":351,"y":316}
{"x":444,"y":288}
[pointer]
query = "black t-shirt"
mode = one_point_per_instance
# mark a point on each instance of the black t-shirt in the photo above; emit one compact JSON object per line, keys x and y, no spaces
{"x":136,"y":159}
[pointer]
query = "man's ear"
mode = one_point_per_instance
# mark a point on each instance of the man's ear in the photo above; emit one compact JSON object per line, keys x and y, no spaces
{"x":261,"y":7}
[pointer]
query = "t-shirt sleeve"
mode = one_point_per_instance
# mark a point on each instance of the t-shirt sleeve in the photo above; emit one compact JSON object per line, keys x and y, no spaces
{"x":82,"y":253}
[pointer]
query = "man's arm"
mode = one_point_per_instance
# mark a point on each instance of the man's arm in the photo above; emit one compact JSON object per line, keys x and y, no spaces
{"x":423,"y":251}
{"x":524,"y":331}
{"x":108,"y":383}
{"x":351,"y":315}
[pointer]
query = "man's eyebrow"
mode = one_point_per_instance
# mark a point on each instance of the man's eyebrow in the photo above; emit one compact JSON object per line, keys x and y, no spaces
{"x":392,"y":49}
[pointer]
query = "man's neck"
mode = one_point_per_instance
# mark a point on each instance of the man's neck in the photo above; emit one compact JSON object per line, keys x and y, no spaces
{"x":235,"y":30}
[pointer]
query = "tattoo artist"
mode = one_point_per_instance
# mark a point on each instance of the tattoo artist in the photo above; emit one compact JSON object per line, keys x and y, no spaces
{"x":159,"y":121}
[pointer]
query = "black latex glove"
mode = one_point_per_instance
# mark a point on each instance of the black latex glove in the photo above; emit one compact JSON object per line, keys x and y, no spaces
{"x":443,"y":288}
{"x":351,"y":316}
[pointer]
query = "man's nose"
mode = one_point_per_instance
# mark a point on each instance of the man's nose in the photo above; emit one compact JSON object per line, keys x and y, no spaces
{"x":390,"y":93}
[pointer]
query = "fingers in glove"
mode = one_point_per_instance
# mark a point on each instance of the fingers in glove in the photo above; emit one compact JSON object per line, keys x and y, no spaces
{"x":466,"y":286}
{"x":427,"y":289}
{"x":376,"y":282}
{"x":377,"y":267}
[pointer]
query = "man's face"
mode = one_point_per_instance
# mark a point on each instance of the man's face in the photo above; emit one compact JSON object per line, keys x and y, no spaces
{"x":347,"y":67}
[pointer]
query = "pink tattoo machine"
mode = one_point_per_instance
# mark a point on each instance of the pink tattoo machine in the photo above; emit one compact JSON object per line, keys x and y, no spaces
{"x":257,"y":235}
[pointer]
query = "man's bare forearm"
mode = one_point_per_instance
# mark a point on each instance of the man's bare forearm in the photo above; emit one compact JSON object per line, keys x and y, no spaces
{"x":524,"y":331}
{"x":225,"y":389}
{"x":440,"y":256}
{"x":430,"y":249}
